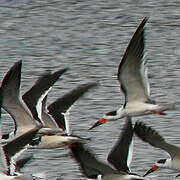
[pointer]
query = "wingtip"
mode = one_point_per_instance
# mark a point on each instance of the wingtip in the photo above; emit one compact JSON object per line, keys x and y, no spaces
{"x":135,"y":48}
{"x":143,"y":22}
{"x":61,"y":71}
{"x":17,"y":64}
{"x":13,"y":76}
{"x":146,"y":18}
{"x":52,"y":76}
{"x":90,"y":85}
{"x":20,"y":61}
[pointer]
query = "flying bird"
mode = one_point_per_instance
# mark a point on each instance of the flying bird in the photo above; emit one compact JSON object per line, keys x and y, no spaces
{"x":132,"y":76}
{"x":12,"y":149}
{"x":119,"y":157}
{"x":58,"y":112}
{"x":13,"y":103}
{"x":54,"y":117}
{"x":149,"y":135}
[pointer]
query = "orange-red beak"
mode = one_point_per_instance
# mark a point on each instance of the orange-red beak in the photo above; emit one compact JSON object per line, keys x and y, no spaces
{"x":154,"y":168}
{"x":98,"y":123}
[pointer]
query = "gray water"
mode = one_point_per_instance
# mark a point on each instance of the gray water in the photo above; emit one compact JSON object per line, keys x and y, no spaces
{"x":90,"y":37}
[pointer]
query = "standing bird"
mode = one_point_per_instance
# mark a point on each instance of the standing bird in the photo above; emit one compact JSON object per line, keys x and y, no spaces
{"x":119,"y":157}
{"x":133,"y":80}
{"x":150,"y":136}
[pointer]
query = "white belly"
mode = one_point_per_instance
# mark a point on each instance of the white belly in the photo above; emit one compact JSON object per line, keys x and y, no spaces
{"x":55,"y":141}
{"x":136,"y":108}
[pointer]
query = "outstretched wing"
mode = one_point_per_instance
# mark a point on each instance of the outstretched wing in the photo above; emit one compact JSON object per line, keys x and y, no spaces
{"x":131,"y":72}
{"x":11,"y":100}
{"x":152,"y":137}
{"x":90,"y":165}
{"x":121,"y":154}
{"x":59,"y":108}
{"x":34,"y":97}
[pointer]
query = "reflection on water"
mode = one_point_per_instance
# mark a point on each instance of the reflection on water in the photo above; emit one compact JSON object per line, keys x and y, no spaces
{"x":90,"y":37}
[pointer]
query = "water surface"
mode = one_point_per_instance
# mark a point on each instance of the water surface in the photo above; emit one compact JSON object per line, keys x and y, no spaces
{"x":90,"y":37}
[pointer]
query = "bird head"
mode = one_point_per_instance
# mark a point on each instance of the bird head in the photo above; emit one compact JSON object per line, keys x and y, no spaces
{"x":160,"y":163}
{"x":107,"y":117}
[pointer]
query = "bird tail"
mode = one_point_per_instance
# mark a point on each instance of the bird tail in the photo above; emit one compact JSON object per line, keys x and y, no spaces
{"x":168,"y":106}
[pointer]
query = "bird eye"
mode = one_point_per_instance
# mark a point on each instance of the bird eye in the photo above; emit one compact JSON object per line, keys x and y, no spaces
{"x":112,"y":113}
{"x":162,"y":161}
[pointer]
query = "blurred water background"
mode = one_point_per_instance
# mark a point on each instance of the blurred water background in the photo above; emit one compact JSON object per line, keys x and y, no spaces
{"x":90,"y":37}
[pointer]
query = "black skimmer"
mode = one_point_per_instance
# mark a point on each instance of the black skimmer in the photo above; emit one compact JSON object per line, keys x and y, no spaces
{"x":27,"y":117}
{"x":120,"y":157}
{"x":132,"y":76}
{"x":12,"y":102}
{"x":55,"y":117}
{"x":59,"y":111}
{"x":15,"y":106}
{"x":11,"y":150}
{"x":14,"y":147}
{"x":152,"y":137}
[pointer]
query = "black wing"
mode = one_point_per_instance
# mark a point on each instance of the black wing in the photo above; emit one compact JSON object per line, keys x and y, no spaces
{"x":19,"y":143}
{"x":43,"y":84}
{"x":90,"y":165}
{"x":62,"y":104}
{"x":151,"y":136}
{"x":120,"y":153}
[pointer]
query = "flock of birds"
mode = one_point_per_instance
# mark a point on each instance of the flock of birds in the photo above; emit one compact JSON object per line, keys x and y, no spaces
{"x":48,"y":127}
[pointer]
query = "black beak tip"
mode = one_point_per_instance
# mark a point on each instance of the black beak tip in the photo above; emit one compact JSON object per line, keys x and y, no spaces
{"x":149,"y":172}
{"x":95,"y":125}
{"x":90,"y":128}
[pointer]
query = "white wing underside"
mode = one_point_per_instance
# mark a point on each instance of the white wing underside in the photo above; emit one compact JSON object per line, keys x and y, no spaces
{"x":19,"y":113}
{"x":132,"y":73}
{"x":135,"y":82}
